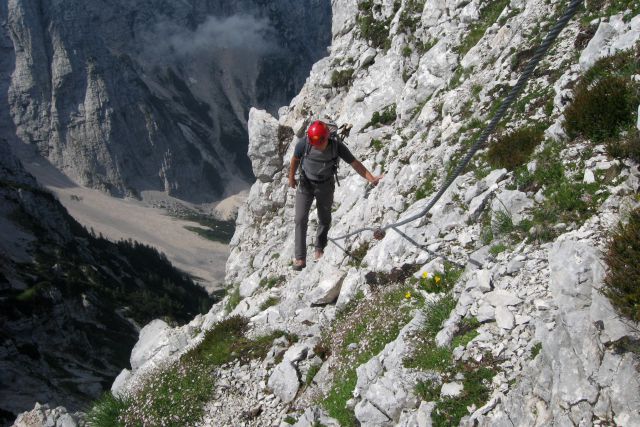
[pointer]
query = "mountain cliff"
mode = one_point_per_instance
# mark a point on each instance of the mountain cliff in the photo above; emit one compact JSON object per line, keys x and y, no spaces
{"x":488,"y":310}
{"x":152,"y":95}
{"x":71,"y":302}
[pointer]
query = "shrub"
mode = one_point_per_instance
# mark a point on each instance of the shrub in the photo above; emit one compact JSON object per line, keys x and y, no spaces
{"x":385,"y":117}
{"x":234,"y":299}
{"x":513,"y":149}
{"x":601,"y":110}
{"x":106,"y":411}
{"x":622,"y":282}
{"x":341,"y":78}
{"x":626,"y":146}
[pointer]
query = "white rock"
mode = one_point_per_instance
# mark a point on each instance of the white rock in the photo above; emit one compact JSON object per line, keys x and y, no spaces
{"x":501,"y":297}
{"x":284,"y":381}
{"x":504,"y":318}
{"x":451,"y":389}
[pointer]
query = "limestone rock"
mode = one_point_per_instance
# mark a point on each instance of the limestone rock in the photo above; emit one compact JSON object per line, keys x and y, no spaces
{"x":284,"y":381}
{"x":264,"y":147}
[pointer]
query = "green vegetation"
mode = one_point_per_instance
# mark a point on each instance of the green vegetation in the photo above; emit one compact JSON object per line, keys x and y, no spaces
{"x":428,"y":356}
{"x":488,"y":15}
{"x":371,"y":29}
{"x":605,"y":98}
{"x":176,"y":394}
{"x":369,"y":325}
{"x":622,"y":283}
{"x":214,"y":229}
{"x":410,"y":16}
{"x":439,"y":281}
{"x":601,"y":110}
{"x":427,"y":186}
{"x":341,"y":78}
{"x":358,"y":254}
{"x":270,"y":302}
{"x":376,"y":144}
{"x":271,"y":282}
{"x":535,"y":350}
{"x":234,"y":299}
{"x":311,"y":373}
{"x":598,"y":8}
{"x":106,"y":410}
{"x":514,"y":149}
{"x":497,"y":249}
{"x":386,"y":117}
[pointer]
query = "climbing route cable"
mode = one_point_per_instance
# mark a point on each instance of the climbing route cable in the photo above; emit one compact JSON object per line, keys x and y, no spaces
{"x":481,"y":140}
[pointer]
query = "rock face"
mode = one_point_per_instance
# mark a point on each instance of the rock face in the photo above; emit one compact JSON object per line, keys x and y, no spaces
{"x":129,"y":97}
{"x":64,"y":338}
{"x":541,"y":323}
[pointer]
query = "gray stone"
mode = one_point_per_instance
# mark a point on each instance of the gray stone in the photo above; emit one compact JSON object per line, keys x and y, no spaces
{"x":296,"y":352}
{"x":486,"y":313}
{"x":284,"y":381}
{"x":504,"y":318}
{"x":328,"y":287}
{"x":451,"y":389}
{"x":501,"y":297}
{"x":263,"y":147}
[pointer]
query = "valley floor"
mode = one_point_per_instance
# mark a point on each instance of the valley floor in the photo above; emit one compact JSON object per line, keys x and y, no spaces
{"x":142,"y":221}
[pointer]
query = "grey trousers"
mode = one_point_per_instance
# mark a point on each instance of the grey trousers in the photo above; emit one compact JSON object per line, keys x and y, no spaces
{"x":306,"y":192}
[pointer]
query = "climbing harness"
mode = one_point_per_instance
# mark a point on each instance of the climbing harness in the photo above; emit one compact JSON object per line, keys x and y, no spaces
{"x":481,"y":140}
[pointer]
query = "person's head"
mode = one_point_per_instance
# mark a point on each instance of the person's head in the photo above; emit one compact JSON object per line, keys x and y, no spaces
{"x":318,"y":134}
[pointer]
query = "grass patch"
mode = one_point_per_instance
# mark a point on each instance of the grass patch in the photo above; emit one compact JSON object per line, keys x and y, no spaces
{"x":497,"y":249}
{"x":270,"y":302}
{"x":271,"y":282}
{"x":427,"y":186}
{"x":622,"y":282}
{"x":384,"y":117}
{"x":440,"y":281}
{"x":341,"y":78}
{"x":376,"y":144}
{"x":105,"y":412}
{"x":535,"y":350}
{"x":358,"y":254}
{"x":427,"y":355}
{"x":370,"y":324}
{"x":234,"y":299}
{"x":212,"y":228}
{"x":488,"y":15}
{"x":514,"y":148}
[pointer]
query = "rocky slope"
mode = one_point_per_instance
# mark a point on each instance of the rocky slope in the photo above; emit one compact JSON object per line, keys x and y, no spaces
{"x":152,"y":95}
{"x":525,"y":324}
{"x":68,"y":324}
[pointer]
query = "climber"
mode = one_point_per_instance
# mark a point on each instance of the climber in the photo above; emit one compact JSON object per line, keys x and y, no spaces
{"x":318,"y":155}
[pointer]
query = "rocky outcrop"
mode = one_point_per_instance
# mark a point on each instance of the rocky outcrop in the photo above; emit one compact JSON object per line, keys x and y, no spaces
{"x":543,"y":328}
{"x":131,"y":97}
{"x":66,"y":331}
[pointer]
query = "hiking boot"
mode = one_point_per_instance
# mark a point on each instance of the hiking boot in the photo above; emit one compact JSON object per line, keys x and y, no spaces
{"x":299,"y":264}
{"x":318,"y":254}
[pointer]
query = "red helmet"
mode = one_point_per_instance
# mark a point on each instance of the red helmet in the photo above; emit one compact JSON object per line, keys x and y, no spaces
{"x":318,"y":133}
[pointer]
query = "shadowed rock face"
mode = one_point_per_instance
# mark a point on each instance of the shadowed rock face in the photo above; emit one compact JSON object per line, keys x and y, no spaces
{"x":152,"y":95}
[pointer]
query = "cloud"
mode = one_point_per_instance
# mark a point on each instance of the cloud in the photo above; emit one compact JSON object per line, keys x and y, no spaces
{"x":243,"y":34}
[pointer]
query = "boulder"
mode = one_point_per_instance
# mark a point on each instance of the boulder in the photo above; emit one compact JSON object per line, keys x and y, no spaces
{"x":264,"y":147}
{"x":284,"y":381}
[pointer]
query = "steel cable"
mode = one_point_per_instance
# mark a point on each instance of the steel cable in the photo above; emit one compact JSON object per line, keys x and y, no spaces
{"x":511,"y":96}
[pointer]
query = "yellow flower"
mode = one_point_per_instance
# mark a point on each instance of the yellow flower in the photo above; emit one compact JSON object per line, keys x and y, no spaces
{"x":407,"y":295}
{"x":437,"y":279}
{"x":425,"y":275}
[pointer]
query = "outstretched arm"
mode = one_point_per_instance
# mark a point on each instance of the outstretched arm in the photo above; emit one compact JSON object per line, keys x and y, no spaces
{"x":363,"y":172}
{"x":292,"y":171}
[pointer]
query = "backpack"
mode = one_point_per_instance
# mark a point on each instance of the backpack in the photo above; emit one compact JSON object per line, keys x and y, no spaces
{"x":336,"y":135}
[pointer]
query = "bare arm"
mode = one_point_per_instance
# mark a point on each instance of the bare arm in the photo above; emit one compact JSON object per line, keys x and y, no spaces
{"x":363,"y":172}
{"x":292,"y":171}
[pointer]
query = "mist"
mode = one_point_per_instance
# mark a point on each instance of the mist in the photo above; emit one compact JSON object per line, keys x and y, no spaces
{"x":243,"y":34}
